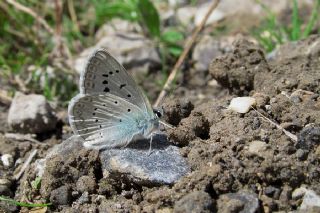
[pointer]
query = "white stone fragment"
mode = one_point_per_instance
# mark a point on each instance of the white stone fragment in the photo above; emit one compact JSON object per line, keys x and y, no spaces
{"x":257,"y":148}
{"x":242,"y":104}
{"x":7,"y":160}
{"x":310,"y":199}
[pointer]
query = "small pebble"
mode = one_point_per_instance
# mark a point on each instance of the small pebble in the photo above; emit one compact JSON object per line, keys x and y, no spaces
{"x":302,"y":154}
{"x":197,"y":201}
{"x":270,"y":190}
{"x":310,"y":199}
{"x":61,"y":196}
{"x":257,"y":148}
{"x":86,"y":183}
{"x":298,"y":193}
{"x":242,"y":104}
{"x":243,"y":201}
{"x":5,"y":185}
{"x":7,"y":160}
{"x":84,"y":198}
{"x":308,"y":137}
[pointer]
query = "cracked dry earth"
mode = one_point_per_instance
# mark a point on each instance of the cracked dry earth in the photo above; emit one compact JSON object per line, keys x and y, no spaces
{"x":237,"y":162}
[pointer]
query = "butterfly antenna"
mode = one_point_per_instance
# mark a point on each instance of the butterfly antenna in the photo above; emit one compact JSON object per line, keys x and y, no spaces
{"x":166,"y":124}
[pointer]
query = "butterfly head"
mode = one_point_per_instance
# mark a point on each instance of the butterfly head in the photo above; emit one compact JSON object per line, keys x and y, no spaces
{"x":158,"y":112}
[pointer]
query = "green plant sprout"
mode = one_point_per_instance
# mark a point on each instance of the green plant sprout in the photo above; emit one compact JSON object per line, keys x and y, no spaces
{"x":36,"y":183}
{"x":272,"y":33}
{"x":23,"y":204}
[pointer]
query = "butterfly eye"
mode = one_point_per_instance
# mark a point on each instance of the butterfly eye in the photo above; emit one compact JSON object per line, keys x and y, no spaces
{"x":158,"y":113}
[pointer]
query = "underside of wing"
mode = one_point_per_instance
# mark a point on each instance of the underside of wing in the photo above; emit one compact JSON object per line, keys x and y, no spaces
{"x":103,"y":75}
{"x":104,"y":120}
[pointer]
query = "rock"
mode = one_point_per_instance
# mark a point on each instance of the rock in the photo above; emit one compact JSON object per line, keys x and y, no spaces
{"x":61,"y":196}
{"x":242,"y":104}
{"x":197,"y":201}
{"x":261,"y":99}
{"x":310,"y":200}
{"x":258,"y":148}
{"x":86,"y":184}
{"x":185,"y":15}
{"x":298,"y":193}
{"x":270,"y":191}
{"x":62,"y":149}
{"x":308,"y":137}
{"x":40,"y":166}
{"x":163,"y":166}
{"x":302,"y":95}
{"x":302,"y":154}
{"x":116,"y":26}
{"x":168,"y":17}
{"x":130,"y":49}
{"x":215,"y":16}
{"x":317,"y":153}
{"x":242,"y":202}
{"x":84,"y":198}
{"x":7,"y":160}
{"x":31,"y":114}
{"x":66,"y":147}
{"x":177,"y":3}
{"x":5,"y":186}
{"x":286,"y":194}
{"x":205,"y":51}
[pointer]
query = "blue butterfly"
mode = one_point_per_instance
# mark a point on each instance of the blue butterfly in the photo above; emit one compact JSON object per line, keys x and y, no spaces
{"x":111,"y":110}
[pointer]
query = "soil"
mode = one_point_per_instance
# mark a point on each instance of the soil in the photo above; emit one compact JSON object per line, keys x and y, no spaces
{"x":216,"y":142}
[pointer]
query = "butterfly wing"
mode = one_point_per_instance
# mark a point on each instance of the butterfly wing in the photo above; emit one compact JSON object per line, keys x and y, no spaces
{"x":103,"y":74}
{"x":105,"y":120}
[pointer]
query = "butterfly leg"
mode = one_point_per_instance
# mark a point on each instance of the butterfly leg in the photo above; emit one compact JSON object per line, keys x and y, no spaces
{"x":151,"y":138}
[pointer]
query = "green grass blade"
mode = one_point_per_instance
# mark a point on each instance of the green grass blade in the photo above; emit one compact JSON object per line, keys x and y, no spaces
{"x":150,"y":17}
{"x":296,"y":25}
{"x":14,"y":202}
{"x":313,"y":19}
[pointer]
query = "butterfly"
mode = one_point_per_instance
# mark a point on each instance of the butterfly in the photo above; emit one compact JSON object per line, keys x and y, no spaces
{"x":110,"y":110}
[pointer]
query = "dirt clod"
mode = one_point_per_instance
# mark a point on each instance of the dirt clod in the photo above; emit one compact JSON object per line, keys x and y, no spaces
{"x":86,"y":184}
{"x":61,"y":196}
{"x":195,"y":202}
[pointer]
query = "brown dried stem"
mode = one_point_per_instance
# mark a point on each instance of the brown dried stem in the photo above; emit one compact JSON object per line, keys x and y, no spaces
{"x":186,"y":50}
{"x":29,"y":11}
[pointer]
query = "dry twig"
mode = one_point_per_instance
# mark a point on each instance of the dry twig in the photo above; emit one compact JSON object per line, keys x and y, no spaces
{"x":73,"y":14}
{"x":22,"y":137}
{"x":287,"y":133}
{"x":29,"y":11}
{"x":26,"y":164}
{"x":186,"y":50}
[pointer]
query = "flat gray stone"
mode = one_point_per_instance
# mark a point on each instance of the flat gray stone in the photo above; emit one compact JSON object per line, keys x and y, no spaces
{"x":164,"y":165}
{"x":132,"y":50}
{"x":31,"y":114}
